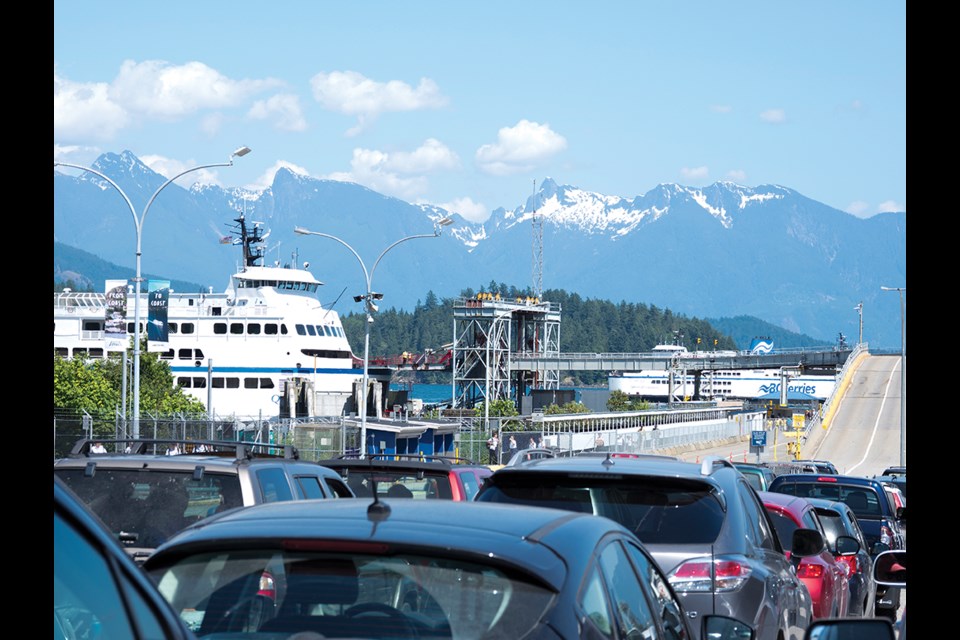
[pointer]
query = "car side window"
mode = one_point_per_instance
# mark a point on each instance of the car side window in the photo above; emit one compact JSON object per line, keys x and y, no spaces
{"x":273,"y":485}
{"x":338,"y":488}
{"x":78,"y":610}
{"x":470,"y":484}
{"x":758,"y":521}
{"x":593,"y":603}
{"x":671,"y":611}
{"x":630,"y":605}
{"x":309,"y":487}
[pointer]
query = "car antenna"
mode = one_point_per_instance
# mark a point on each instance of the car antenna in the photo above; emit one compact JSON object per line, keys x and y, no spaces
{"x":377,"y":511}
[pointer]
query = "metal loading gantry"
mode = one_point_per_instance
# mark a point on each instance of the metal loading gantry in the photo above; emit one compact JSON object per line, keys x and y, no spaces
{"x":488,"y":332}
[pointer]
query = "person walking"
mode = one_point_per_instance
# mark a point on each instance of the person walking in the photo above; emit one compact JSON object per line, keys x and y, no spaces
{"x":493,"y":444}
{"x":513,"y":445}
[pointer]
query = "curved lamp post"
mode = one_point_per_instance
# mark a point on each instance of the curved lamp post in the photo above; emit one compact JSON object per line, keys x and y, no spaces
{"x":371,"y":307}
{"x":903,"y":375}
{"x":138,"y":223}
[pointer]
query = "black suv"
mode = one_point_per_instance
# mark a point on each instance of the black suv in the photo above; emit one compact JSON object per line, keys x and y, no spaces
{"x":868,"y":500}
{"x":411,"y":475}
{"x":703,"y":523}
{"x":145,"y":495}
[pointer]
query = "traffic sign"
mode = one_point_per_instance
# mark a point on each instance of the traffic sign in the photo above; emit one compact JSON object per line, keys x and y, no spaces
{"x":758,"y":438}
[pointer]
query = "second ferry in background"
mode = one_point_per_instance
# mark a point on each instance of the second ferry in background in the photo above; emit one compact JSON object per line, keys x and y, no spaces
{"x":733,"y":384}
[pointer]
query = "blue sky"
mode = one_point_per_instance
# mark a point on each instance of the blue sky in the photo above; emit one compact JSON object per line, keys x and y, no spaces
{"x":466,"y":104}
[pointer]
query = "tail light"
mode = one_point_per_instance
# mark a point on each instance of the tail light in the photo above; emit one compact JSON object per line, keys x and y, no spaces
{"x":810,"y":570}
{"x":267,"y":587}
{"x":886,"y":535}
{"x":850,"y":563}
{"x":728,"y":574}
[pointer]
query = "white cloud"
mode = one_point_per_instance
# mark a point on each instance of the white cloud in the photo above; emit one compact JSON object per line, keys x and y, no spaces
{"x":890,"y":205}
{"x":721,"y":108}
{"x":737,"y":175}
{"x":432,"y":155}
{"x":211,"y":124}
{"x":158,"y":89}
{"x":519,"y":149}
{"x":352,"y":93}
{"x":85,"y":111}
{"x":467,"y":208}
{"x":694,"y":174}
{"x":283,"y":109}
{"x":858,"y":208}
{"x":774,"y":116}
{"x":153,"y":90}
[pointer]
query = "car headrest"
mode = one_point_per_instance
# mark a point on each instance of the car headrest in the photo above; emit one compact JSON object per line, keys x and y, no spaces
{"x":323,"y":581}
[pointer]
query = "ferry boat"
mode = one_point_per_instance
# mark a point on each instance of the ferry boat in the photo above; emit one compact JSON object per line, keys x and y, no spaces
{"x":732,"y":384}
{"x":264,"y":348}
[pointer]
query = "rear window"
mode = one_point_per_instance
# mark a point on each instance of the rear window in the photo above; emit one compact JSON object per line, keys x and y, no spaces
{"x":153,"y":505}
{"x":400,"y":483}
{"x":862,"y":500}
{"x":658,"y":510}
{"x":832,"y":525}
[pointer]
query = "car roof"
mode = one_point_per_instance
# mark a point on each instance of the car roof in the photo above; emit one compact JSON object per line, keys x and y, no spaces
{"x":520,"y":535}
{"x":826,"y":478}
{"x":661,"y":466}
{"x":400,"y":461}
{"x":794,"y":504}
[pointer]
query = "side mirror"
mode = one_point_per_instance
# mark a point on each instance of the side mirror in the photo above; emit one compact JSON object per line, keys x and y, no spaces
{"x":806,"y":542}
{"x":902,"y":514}
{"x":890,"y":568}
{"x":724,"y":628}
{"x":847,"y":546}
{"x":850,"y":629}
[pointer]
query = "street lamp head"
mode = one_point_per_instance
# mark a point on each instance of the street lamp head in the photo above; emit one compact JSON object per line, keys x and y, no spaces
{"x":302,"y":232}
{"x":358,"y":298}
{"x":242,"y":151}
{"x":445,"y":221}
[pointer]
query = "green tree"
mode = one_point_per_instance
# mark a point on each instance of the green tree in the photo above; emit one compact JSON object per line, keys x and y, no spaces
{"x":566,"y":408}
{"x":503,"y":408}
{"x":618,"y":401}
{"x":83,"y":385}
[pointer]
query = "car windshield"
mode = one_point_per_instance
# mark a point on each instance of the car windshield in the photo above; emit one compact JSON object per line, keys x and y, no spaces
{"x":657,"y":510}
{"x":152,"y":505}
{"x":347,"y":593}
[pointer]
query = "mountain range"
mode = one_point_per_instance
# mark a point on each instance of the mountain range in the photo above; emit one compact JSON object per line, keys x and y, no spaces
{"x":717,"y":251}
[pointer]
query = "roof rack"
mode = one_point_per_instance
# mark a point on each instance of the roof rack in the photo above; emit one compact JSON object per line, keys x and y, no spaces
{"x":215,"y":448}
{"x":408,"y":457}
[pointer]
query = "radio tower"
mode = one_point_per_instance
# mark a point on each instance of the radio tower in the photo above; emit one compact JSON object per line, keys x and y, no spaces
{"x":537,"y":248}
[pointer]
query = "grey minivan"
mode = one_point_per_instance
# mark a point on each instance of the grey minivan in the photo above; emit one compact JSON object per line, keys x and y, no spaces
{"x":703,"y":523}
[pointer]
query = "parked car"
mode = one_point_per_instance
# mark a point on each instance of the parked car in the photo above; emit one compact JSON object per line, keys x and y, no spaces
{"x":411,"y":476}
{"x":889,"y":569}
{"x":824,"y":575}
{"x":703,"y":523}
{"x":374,"y":569}
{"x":758,"y":475}
{"x":838,"y":520}
{"x":98,"y":590}
{"x":817,"y":466}
{"x":145,"y":496}
{"x":868,"y":500}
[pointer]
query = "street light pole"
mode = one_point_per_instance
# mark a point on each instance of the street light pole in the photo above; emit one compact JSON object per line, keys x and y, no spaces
{"x":903,"y":375}
{"x":138,"y":223}
{"x":859,"y":310}
{"x":370,"y":308}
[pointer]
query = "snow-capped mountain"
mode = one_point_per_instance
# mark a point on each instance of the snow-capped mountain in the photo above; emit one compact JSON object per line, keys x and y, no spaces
{"x":716,"y":251}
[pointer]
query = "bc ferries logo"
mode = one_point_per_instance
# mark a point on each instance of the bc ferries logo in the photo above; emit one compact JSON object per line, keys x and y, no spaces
{"x":760,"y":346}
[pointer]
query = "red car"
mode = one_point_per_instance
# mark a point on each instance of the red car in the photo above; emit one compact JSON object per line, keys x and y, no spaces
{"x":824,"y":575}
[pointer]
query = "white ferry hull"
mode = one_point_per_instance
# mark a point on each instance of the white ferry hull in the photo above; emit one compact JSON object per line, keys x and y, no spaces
{"x":740,"y":384}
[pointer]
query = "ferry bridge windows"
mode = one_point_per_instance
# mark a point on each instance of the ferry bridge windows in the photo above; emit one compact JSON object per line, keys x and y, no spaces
{"x":195,"y":382}
{"x":218,"y":382}
{"x":63,"y":352}
{"x":190,"y":354}
{"x":188,"y":328}
{"x":270,"y":329}
{"x":236,"y":328}
{"x":253,"y":328}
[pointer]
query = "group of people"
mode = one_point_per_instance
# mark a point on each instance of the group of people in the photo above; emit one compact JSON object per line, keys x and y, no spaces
{"x":493,"y":445}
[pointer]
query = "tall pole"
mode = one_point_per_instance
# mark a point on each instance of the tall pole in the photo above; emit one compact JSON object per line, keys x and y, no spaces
{"x":859,"y":310}
{"x":370,"y":308}
{"x":903,"y":375}
{"x":138,"y":224}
